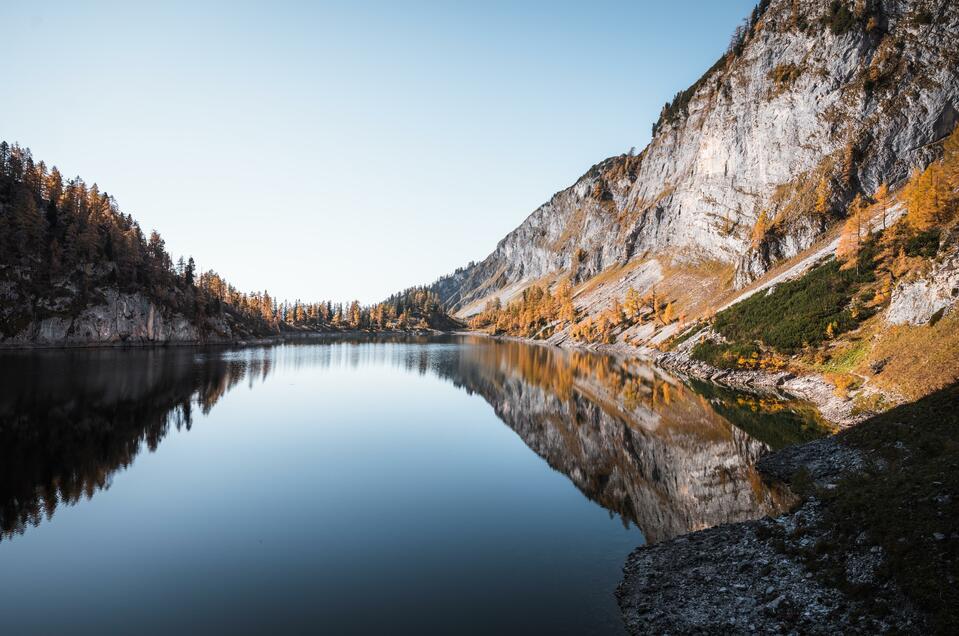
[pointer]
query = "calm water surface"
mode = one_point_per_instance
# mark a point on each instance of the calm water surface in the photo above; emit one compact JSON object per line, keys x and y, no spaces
{"x":445,"y":486}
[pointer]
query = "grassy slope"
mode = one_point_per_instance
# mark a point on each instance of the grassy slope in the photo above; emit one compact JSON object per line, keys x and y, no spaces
{"x":915,"y":359}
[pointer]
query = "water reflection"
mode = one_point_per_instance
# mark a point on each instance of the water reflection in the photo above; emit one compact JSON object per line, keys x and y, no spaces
{"x":70,"y":420}
{"x":664,"y":456}
{"x":640,"y":443}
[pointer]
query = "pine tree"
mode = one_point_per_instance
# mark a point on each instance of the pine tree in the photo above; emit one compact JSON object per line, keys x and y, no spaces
{"x":950,"y":161}
{"x":927,"y":195}
{"x":28,"y":223}
{"x":88,"y":240}
{"x":56,"y":258}
{"x":616,"y":312}
{"x":190,"y":271}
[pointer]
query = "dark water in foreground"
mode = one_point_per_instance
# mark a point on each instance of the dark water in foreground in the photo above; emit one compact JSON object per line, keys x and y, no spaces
{"x":452,"y":486}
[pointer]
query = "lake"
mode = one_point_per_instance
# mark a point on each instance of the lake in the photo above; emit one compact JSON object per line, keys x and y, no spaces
{"x":395,"y":486}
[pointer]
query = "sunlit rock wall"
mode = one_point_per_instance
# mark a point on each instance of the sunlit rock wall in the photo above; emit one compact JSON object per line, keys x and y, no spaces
{"x":761,"y":130}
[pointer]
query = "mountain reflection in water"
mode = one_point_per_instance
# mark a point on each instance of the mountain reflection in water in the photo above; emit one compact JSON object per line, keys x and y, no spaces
{"x":650,"y":449}
{"x":640,"y":443}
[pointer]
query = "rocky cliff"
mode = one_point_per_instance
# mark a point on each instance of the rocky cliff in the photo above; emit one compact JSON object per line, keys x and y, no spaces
{"x":916,"y":302}
{"x":815,"y":102}
{"x":109,"y":317}
{"x":119,"y":318}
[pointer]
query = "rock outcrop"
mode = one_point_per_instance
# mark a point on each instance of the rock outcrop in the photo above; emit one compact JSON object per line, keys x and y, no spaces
{"x":67,"y":313}
{"x":116,"y":318}
{"x":120,"y":318}
{"x":916,"y":302}
{"x":811,"y":103}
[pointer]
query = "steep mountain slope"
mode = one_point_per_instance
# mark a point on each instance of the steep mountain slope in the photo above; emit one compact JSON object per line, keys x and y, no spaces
{"x":814,"y":102}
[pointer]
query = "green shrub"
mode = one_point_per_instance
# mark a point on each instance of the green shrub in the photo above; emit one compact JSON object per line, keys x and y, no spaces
{"x":799,"y":312}
{"x":847,"y":359}
{"x":871,"y":403}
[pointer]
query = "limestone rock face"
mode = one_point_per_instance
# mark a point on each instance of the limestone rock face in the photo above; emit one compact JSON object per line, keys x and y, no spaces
{"x":120,"y":318}
{"x":916,"y":302}
{"x":803,"y":103}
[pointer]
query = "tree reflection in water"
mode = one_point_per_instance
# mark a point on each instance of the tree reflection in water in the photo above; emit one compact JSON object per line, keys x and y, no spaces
{"x":650,"y":449}
{"x":70,"y":420}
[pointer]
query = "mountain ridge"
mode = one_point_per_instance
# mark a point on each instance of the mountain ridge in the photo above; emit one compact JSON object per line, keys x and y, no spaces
{"x":807,"y":94}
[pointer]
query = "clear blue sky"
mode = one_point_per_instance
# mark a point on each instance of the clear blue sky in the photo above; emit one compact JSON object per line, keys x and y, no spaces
{"x":344,"y":149}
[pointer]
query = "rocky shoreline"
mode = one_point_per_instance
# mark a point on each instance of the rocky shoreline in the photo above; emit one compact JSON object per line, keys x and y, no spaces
{"x":732,"y":578}
{"x":741,"y":578}
{"x":803,"y":572}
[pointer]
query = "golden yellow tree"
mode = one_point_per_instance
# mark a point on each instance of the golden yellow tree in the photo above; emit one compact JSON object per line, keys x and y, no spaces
{"x":851,"y":240}
{"x":823,"y":193}
{"x":615,"y":313}
{"x":633,"y":305}
{"x":881,"y":196}
{"x":604,"y":329}
{"x":761,"y":227}
{"x":567,"y":311}
{"x":355,"y":314}
{"x":950,"y":160}
{"x":925,"y":194}
{"x":669,"y":314}
{"x":900,"y":265}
